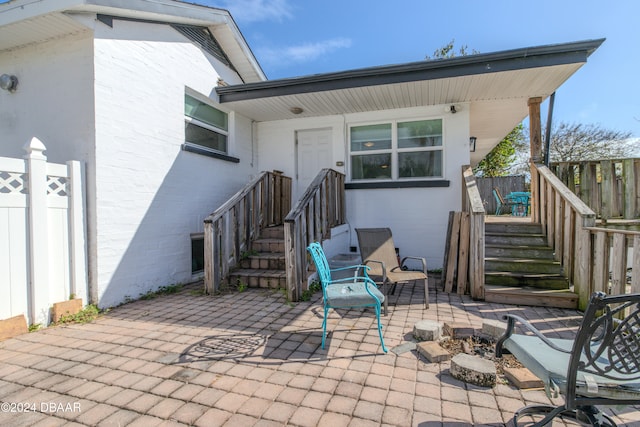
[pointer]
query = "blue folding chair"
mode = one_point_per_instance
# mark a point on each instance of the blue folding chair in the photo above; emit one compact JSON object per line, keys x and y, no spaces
{"x":354,"y":291}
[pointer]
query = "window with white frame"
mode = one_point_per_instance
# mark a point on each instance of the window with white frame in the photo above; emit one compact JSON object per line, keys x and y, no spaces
{"x":397,"y":150}
{"x":205,"y":126}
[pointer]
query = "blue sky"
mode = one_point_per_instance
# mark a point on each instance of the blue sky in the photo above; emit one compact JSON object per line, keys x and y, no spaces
{"x":292,"y":38}
{"x":300,"y":37}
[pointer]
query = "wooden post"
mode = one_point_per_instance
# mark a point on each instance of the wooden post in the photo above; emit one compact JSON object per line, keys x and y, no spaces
{"x":628,"y":189}
{"x":38,"y":233}
{"x":535,"y":129}
{"x":463,"y":253}
{"x":535,"y":135}
{"x":209,"y":258}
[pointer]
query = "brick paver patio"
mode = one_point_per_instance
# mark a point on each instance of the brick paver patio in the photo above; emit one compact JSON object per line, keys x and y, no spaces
{"x":252,"y":359}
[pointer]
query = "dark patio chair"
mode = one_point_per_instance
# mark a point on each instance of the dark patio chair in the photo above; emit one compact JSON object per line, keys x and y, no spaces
{"x":356,"y":290}
{"x":379,"y":253}
{"x":601,"y":366}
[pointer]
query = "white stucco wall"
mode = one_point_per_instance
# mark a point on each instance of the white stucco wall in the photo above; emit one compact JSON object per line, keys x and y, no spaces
{"x":417,"y":216}
{"x":150,"y":195}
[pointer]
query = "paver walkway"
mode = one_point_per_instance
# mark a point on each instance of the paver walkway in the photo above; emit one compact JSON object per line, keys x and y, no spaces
{"x":253,"y":359}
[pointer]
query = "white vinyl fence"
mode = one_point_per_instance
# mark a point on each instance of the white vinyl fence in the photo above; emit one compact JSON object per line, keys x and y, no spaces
{"x":42,"y":234}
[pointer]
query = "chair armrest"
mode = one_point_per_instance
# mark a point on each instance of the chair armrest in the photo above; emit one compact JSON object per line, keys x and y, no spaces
{"x":356,"y":268}
{"x":422,"y":260}
{"x":384,"y":268}
{"x":351,"y":279}
{"x":511,"y":322}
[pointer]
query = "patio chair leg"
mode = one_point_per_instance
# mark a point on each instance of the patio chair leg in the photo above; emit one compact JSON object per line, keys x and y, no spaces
{"x":380,"y":328}
{"x":324,"y":326}
{"x":426,"y":293}
{"x":386,"y":298}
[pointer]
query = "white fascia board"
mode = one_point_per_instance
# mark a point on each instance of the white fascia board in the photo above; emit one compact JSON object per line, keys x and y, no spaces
{"x":159,"y":10}
{"x":171,"y":11}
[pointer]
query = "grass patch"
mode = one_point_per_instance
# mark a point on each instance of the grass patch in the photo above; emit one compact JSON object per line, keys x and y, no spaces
{"x":308,"y":293}
{"x":86,"y":315}
{"x":163,"y":290}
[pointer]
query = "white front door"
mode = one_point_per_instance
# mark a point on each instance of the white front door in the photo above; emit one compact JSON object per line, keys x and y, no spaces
{"x":314,"y":154}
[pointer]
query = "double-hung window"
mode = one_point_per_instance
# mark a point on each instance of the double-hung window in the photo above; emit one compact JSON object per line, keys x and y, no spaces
{"x":397,"y":151}
{"x":205,"y":126}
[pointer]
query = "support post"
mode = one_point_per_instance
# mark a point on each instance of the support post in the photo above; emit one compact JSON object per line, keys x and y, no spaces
{"x":38,"y":232}
{"x":535,"y":135}
{"x":77,"y":227}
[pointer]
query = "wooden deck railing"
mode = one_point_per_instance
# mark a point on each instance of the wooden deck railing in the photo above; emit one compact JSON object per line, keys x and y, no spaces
{"x":321,"y":207}
{"x":609,"y":187}
{"x":229,"y":230}
{"x":593,"y":258}
{"x":611,"y":251}
{"x":472,"y":204}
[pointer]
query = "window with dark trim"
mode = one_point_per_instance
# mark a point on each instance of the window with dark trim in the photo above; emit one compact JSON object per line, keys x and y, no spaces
{"x":407,"y":150}
{"x":206,"y":127}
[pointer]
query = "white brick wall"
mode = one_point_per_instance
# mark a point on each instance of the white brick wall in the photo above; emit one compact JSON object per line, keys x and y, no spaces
{"x":145,"y":195}
{"x":150,"y":194}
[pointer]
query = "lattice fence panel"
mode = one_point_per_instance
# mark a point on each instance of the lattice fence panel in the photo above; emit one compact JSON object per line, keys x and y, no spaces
{"x":57,"y":186}
{"x":13,"y":183}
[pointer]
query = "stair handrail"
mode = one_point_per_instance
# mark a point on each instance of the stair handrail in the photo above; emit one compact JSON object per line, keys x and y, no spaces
{"x":321,"y":207}
{"x":229,"y":230}
{"x":565,"y":220}
{"x":472,"y":203}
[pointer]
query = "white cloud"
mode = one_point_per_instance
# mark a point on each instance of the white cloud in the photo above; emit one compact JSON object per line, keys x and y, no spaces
{"x":258,"y":10}
{"x":302,"y":53}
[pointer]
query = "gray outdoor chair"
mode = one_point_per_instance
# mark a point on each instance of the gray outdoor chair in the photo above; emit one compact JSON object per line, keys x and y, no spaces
{"x":601,"y":366}
{"x":379,"y":253}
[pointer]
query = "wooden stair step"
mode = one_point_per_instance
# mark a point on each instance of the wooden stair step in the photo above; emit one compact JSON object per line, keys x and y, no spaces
{"x":545,"y":281}
{"x":265,"y":261}
{"x":273,"y":232}
{"x":523,"y":265}
{"x":518,"y":251}
{"x":259,"y":278}
{"x":531,"y":296}
{"x":268,"y":245}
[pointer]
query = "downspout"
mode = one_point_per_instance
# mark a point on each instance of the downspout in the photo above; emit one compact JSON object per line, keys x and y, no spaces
{"x":547,"y":134}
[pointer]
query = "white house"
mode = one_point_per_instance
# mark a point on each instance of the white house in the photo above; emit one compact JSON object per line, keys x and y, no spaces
{"x":170,"y":112}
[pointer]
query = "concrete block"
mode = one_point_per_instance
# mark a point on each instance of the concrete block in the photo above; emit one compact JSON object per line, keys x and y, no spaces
{"x":66,"y":308}
{"x":12,"y":327}
{"x":433,"y":351}
{"x":473,"y":370}
{"x":458,"y":330}
{"x":522,"y":378}
{"x":427,"y":330}
{"x":494,"y":328}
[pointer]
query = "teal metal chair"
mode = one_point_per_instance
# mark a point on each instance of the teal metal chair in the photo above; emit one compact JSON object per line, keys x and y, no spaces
{"x":355,"y":291}
{"x":601,"y":366}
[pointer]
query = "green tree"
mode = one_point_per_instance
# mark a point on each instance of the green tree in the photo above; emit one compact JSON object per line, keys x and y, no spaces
{"x":499,"y":161}
{"x":448,"y":51}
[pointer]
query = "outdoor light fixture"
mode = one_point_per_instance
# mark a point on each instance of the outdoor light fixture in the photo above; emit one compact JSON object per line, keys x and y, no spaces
{"x":452,"y":109}
{"x":296,"y":110}
{"x":472,"y":143}
{"x":8,"y":82}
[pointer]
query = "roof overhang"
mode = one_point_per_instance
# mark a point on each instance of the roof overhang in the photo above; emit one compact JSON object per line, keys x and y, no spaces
{"x":495,"y":86}
{"x":24,"y":22}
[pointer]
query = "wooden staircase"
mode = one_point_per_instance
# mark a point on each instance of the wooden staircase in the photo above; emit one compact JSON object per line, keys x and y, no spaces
{"x":520,"y":267}
{"x":264,"y":265}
